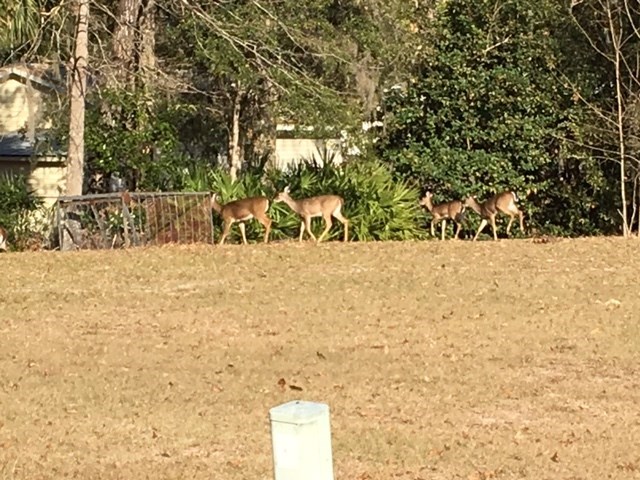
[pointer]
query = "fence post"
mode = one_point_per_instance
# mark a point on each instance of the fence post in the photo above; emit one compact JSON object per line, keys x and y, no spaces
{"x":301,"y":438}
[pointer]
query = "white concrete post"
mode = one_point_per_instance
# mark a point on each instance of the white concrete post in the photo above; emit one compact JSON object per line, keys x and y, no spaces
{"x":301,"y":437}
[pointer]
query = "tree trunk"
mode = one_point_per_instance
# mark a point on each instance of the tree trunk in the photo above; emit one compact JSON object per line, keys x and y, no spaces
{"x":265,"y":144}
{"x":235,"y":160}
{"x":75,"y":155}
{"x":620,"y":123}
{"x":124,"y":41}
{"x":147,"y":47}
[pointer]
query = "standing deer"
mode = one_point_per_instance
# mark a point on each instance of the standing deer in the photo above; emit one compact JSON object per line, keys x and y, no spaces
{"x":504,"y":202}
{"x":325,"y":206}
{"x":453,"y":210}
{"x":241,"y":211}
{"x":3,"y":239}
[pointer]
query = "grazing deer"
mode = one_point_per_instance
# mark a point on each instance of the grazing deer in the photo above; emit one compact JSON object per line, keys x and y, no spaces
{"x":453,"y":210}
{"x":504,"y":202}
{"x":241,"y":211}
{"x":3,"y":239}
{"x":325,"y":206}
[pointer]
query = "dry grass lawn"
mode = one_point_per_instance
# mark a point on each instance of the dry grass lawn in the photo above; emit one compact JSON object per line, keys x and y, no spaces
{"x":454,"y":360}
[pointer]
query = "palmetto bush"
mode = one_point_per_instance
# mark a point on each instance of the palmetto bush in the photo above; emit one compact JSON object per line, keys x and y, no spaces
{"x":216,"y":180}
{"x":377,"y":206}
{"x":17,"y":205}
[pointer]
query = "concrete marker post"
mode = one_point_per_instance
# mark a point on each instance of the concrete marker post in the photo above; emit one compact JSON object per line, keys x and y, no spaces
{"x":301,"y":440}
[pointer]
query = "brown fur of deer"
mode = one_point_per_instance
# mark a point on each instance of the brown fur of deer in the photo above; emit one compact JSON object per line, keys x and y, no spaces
{"x":504,"y":202}
{"x":442,"y":212}
{"x":240,"y":211}
{"x":3,"y":239}
{"x":325,"y":206}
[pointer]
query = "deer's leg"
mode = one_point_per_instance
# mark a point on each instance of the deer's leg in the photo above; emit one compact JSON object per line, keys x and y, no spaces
{"x":244,"y":236}
{"x":307,"y":222}
{"x":458,"y":226}
{"x":443,"y":227}
{"x":433,"y":227}
{"x":493,"y":226}
{"x":301,"y":231}
{"x":345,"y":221}
{"x":327,"y":227}
{"x":225,"y":231}
{"x":521,"y":217}
{"x":511,"y":218}
{"x":483,"y":224}
{"x":266,"y":223}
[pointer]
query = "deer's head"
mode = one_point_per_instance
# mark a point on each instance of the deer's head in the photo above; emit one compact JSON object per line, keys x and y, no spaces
{"x":424,"y":201}
{"x":282,"y":196}
{"x":470,"y":201}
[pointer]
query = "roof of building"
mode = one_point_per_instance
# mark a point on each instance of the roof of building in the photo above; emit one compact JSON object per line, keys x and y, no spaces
{"x":17,"y":145}
{"x":51,"y":76}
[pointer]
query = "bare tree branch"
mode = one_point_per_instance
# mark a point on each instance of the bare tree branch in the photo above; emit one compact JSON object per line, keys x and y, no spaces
{"x":496,"y":45}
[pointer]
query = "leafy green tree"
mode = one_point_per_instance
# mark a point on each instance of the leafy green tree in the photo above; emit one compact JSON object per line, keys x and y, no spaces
{"x":34,"y":30}
{"x":19,"y":24}
{"x":486,"y":112}
{"x":308,"y":63}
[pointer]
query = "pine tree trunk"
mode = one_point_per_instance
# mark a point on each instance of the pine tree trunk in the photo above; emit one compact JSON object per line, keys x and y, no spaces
{"x":75,"y":155}
{"x":147,"y":25}
{"x":265,"y":145}
{"x":124,"y":41}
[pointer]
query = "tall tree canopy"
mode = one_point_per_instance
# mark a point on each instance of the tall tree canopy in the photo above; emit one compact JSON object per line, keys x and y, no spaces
{"x":487,"y":110}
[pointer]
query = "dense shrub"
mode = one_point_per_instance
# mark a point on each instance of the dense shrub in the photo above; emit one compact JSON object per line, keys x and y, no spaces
{"x":16,"y":209}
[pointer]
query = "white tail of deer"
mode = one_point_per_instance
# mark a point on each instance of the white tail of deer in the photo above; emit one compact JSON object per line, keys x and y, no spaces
{"x":504,"y":203}
{"x":240,"y":211}
{"x":325,"y":206}
{"x":453,"y":210}
{"x":3,"y":239}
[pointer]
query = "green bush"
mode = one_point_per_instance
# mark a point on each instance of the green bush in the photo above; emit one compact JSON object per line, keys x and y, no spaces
{"x":18,"y":202}
{"x":377,"y":206}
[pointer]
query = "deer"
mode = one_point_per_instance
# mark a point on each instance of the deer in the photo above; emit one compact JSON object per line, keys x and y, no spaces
{"x":453,"y":210}
{"x":3,"y":239}
{"x":240,"y":211}
{"x":325,"y":206}
{"x":504,"y":202}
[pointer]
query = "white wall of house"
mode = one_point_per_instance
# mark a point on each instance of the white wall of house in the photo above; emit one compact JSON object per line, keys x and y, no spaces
{"x":290,"y":151}
{"x":19,"y":101}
